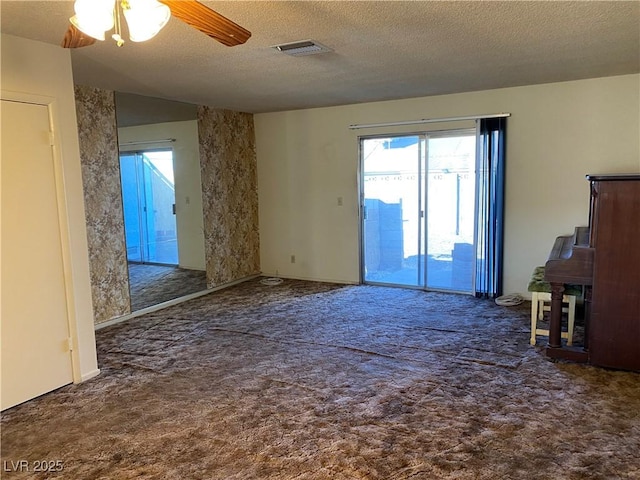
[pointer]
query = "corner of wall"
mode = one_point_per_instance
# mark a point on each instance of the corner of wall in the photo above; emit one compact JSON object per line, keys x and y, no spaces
{"x":229,"y":194}
{"x":99,"y":158}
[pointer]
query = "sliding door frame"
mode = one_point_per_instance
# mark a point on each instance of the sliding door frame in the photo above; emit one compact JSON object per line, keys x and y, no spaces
{"x":142,"y":207}
{"x":423,"y":193}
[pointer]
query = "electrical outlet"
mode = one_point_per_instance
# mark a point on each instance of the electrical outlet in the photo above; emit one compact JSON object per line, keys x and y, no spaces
{"x":293,"y":259}
{"x":339,"y":201}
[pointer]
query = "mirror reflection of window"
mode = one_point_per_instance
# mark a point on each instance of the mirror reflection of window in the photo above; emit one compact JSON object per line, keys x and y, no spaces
{"x":149,"y":202}
{"x":162,"y":198}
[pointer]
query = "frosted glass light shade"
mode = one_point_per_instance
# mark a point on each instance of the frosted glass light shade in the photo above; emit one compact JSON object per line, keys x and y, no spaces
{"x":145,"y":18}
{"x":93,"y":17}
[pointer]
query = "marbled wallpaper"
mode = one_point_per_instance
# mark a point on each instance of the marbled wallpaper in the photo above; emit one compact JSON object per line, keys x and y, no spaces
{"x":230,"y":198}
{"x":99,"y":158}
{"x":229,"y":194}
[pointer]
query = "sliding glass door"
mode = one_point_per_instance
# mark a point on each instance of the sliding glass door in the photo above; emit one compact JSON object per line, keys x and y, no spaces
{"x":450,"y":203}
{"x":393,"y":210}
{"x":418,"y":194}
{"x":148,"y":196}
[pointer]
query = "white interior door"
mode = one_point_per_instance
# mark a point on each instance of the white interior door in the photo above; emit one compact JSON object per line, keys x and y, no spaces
{"x":35,"y":356}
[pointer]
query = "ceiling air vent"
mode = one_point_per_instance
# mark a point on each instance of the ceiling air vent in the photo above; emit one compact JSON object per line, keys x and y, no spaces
{"x":305,"y":47}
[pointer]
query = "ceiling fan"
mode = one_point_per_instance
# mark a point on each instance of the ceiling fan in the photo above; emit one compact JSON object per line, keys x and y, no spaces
{"x":191,"y":12}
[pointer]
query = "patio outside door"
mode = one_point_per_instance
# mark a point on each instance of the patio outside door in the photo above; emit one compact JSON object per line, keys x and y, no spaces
{"x":148,"y":197}
{"x":418,"y":195}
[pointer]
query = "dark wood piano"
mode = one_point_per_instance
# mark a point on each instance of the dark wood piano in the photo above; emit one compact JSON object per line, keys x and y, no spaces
{"x":605,"y":258}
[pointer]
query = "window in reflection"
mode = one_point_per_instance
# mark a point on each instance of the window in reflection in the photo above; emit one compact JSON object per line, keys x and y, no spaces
{"x":148,"y":194}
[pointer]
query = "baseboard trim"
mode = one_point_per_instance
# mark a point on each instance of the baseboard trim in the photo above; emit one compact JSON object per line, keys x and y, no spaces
{"x":170,"y":303}
{"x":90,"y":375}
{"x":308,"y":279}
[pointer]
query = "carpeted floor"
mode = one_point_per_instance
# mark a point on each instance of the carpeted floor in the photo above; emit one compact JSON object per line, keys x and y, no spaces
{"x":318,"y":381}
{"x":153,"y":284}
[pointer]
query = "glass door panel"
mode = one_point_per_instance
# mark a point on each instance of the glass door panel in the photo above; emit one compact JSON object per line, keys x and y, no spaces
{"x":131,"y":206}
{"x":418,"y":199}
{"x":450,"y":211}
{"x":148,"y":196}
{"x":159,"y":201}
{"x":392,"y":210}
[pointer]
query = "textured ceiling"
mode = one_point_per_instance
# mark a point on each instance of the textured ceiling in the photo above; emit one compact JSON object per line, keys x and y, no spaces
{"x":383,"y":50}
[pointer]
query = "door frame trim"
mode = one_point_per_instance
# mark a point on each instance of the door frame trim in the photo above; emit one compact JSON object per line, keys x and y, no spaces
{"x":425,"y":135}
{"x":63,"y":219}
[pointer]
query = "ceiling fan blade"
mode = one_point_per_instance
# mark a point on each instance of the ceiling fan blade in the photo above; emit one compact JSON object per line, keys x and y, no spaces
{"x":74,"y":38}
{"x":208,"y":21}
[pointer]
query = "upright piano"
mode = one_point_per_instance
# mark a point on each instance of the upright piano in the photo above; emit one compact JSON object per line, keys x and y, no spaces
{"x":604,"y":257}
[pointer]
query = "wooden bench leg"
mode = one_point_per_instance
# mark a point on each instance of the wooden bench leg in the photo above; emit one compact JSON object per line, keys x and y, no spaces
{"x":555,"y":321}
{"x":534,"y":316}
{"x":571,"y":299}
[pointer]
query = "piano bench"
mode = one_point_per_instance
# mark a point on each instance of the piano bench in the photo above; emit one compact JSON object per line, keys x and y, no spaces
{"x":541,"y":302}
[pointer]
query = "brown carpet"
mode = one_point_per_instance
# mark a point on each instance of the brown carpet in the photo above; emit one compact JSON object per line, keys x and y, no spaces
{"x":318,"y":381}
{"x":153,"y":284}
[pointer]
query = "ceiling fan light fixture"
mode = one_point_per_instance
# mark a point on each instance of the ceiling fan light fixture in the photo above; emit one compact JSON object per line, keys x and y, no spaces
{"x":145,"y":18}
{"x":93,"y":17}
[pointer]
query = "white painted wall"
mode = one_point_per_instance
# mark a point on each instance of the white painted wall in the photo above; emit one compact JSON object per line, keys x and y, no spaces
{"x":40,"y":69}
{"x":186,"y":161}
{"x":556,"y":135}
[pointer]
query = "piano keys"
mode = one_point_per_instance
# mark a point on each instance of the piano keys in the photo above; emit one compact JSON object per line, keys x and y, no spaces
{"x":570,"y":262}
{"x":571,"y":259}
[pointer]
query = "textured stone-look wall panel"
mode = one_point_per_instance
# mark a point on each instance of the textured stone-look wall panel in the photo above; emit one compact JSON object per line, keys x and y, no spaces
{"x":99,"y":158}
{"x":229,"y":194}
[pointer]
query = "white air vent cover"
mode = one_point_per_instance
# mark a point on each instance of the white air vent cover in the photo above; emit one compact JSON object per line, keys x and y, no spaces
{"x":305,"y":47}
